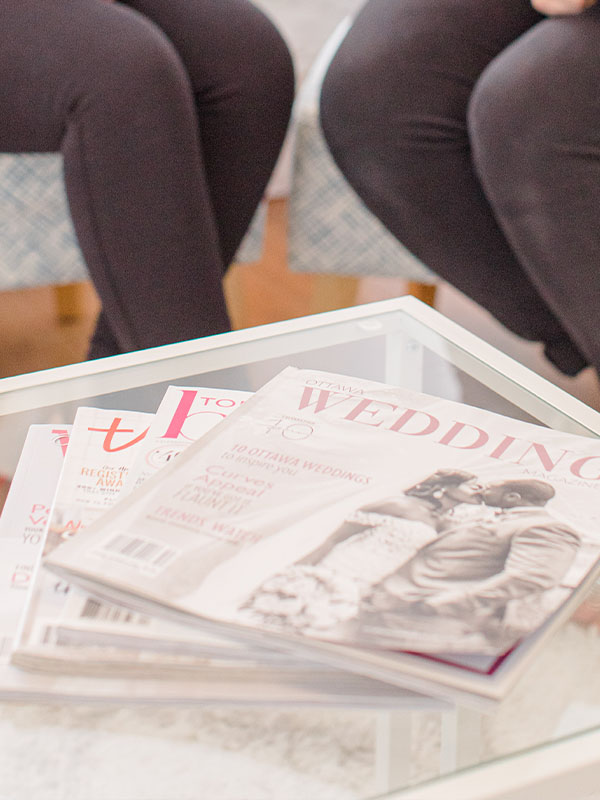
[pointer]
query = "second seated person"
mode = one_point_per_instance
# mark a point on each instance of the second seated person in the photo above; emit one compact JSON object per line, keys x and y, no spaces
{"x":471,"y":129}
{"x":170,"y":115}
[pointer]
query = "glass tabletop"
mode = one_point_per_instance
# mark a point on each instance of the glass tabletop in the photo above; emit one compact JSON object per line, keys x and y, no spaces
{"x":257,"y":750}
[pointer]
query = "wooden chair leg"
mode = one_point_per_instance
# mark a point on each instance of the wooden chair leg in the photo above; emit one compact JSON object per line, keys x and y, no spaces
{"x":339,"y":291}
{"x":333,"y":291}
{"x":423,"y":291}
{"x":69,"y":304}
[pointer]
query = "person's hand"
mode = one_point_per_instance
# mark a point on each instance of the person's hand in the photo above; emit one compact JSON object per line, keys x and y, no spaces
{"x":561,"y":7}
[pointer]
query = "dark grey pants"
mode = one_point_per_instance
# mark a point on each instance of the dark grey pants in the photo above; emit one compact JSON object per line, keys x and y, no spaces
{"x":170,"y":115}
{"x":471,"y":128}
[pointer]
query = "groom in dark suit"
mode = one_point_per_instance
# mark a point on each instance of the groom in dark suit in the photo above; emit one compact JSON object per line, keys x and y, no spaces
{"x":468,"y":575}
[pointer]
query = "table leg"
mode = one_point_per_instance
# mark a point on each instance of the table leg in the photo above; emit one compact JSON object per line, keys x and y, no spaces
{"x":392,"y":750}
{"x":403,"y":362}
{"x":460,"y":739}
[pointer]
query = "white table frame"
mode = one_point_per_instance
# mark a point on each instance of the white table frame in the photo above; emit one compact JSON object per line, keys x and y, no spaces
{"x":546,"y":771}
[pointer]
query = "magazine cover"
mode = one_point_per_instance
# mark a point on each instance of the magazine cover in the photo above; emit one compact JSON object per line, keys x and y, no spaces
{"x":23,"y":522}
{"x":101,"y":448}
{"x":410,"y":538}
{"x":184,"y":415}
{"x":180,"y":677}
{"x":65,"y":630}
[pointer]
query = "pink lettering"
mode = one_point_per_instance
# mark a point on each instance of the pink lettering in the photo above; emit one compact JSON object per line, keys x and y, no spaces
{"x":459,"y":427}
{"x":502,"y":447}
{"x":362,"y":407}
{"x":431,"y":424}
{"x":543,"y":456}
{"x":110,"y":432}
{"x":322,"y":401}
{"x":182,"y":412}
{"x":578,"y":465}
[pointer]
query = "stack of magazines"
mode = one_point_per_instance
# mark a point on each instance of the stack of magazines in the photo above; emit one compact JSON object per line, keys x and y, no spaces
{"x":326,"y":539}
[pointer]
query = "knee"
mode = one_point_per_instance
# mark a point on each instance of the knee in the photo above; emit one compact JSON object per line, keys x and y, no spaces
{"x":137,"y":67}
{"x":336,"y":109}
{"x":270,"y":48}
{"x":370,"y":96}
{"x":507,"y":120}
{"x":352,"y":104}
{"x":257,"y":60}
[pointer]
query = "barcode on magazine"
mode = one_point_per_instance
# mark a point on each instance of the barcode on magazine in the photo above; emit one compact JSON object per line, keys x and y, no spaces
{"x":96,"y":610}
{"x":143,"y":554}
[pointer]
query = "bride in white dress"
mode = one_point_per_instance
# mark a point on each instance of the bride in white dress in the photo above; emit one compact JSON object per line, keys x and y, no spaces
{"x":326,"y":587}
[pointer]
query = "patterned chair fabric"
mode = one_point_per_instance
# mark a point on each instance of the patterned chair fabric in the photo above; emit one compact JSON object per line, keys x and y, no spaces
{"x":330,"y":230}
{"x":37,"y":242}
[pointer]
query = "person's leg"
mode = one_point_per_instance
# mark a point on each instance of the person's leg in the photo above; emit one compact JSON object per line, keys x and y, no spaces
{"x":241,"y":77}
{"x":106,"y":86}
{"x":393,"y":111}
{"x":243,"y":82}
{"x":534,"y":123}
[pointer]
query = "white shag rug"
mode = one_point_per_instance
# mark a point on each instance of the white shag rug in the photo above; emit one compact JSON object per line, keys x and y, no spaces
{"x":227,"y":753}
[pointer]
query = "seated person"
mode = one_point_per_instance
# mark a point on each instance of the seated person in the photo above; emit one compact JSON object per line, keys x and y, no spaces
{"x":170,"y":115}
{"x":472,"y":131}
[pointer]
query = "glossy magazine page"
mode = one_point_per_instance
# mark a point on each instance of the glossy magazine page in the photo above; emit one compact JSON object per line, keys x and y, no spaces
{"x":379,"y":529}
{"x":58,"y":677}
{"x":23,"y":523}
{"x":67,"y":631}
{"x":101,"y":449}
{"x":184,"y":414}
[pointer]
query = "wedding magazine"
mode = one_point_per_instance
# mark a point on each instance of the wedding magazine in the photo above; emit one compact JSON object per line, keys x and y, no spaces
{"x":96,"y":463}
{"x":60,"y":672}
{"x":184,"y":415}
{"x":23,"y":523}
{"x":66,"y":630}
{"x":106,"y":637}
{"x":406,"y":538}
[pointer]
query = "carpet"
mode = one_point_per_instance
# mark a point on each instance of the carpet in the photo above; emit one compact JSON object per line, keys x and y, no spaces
{"x":253,"y":753}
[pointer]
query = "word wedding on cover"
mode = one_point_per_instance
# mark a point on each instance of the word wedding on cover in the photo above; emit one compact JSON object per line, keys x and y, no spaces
{"x":400,"y":536}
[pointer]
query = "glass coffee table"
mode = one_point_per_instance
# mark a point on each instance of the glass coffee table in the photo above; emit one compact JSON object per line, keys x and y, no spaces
{"x":543,"y":740}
